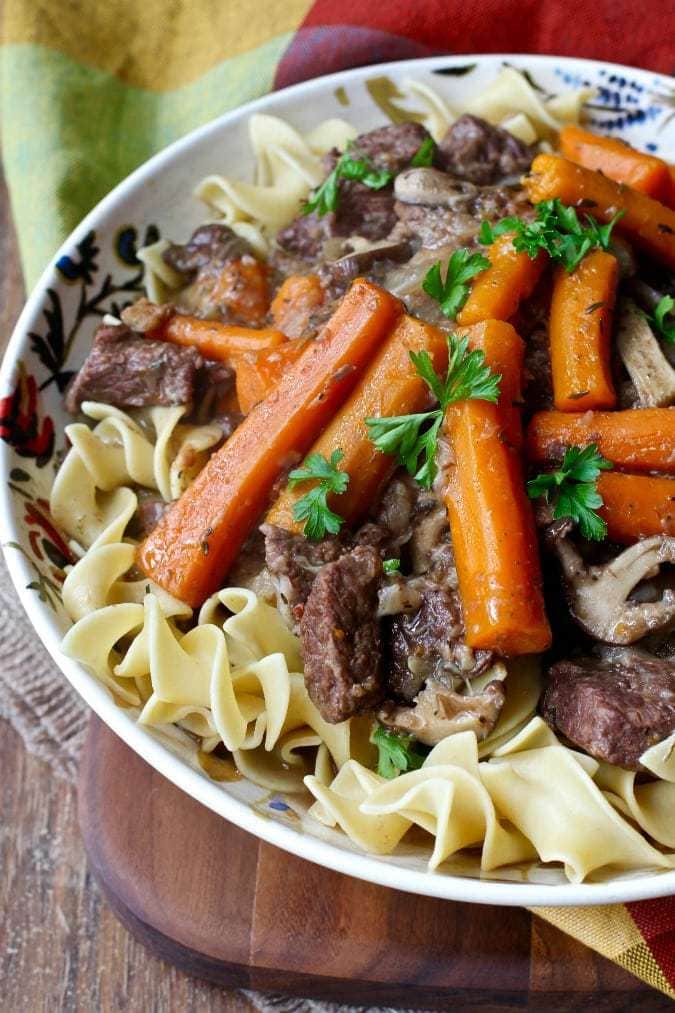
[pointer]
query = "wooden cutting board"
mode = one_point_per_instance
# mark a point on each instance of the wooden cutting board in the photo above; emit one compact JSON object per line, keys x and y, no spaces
{"x":223,"y":905}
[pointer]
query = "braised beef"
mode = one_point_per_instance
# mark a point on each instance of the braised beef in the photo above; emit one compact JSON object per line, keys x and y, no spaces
{"x":209,"y":245}
{"x":361,"y":211}
{"x":129,"y":371}
{"x":149,"y":513}
{"x":340,"y":636}
{"x":293,"y":562}
{"x":475,"y":150}
{"x":613,"y":707}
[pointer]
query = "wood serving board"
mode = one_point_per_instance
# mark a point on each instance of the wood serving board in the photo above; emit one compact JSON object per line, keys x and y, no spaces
{"x":222,"y":905}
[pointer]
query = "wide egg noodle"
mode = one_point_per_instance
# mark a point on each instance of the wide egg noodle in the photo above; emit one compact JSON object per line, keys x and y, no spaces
{"x":650,"y":804}
{"x":92,"y":641}
{"x":660,"y":759}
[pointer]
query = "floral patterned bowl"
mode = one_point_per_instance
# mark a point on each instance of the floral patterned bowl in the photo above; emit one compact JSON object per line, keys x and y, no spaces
{"x":97,"y":272}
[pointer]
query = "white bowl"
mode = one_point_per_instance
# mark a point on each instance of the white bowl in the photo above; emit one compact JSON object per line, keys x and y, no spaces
{"x":637,"y":104}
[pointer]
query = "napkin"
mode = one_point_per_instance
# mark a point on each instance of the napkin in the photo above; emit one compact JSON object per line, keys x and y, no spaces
{"x":91,"y":90}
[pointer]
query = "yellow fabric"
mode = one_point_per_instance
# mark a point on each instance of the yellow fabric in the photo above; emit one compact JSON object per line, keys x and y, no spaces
{"x":151,"y":44}
{"x":610,"y":931}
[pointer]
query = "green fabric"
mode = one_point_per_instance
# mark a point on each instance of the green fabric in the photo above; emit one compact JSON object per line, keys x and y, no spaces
{"x":71,"y":132}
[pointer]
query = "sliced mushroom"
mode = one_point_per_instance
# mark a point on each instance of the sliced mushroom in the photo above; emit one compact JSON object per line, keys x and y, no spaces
{"x":439,"y":712}
{"x":642,"y":355}
{"x":599,"y":595}
{"x":430,"y":186}
{"x":359,"y":261}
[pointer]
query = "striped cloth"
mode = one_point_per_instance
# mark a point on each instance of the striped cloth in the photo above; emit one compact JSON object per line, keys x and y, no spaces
{"x":91,"y":90}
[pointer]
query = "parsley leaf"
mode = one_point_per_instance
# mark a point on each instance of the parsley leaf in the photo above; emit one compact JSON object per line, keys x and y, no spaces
{"x":413,"y":439}
{"x":572,"y":489}
{"x":391,"y":565}
{"x":313,"y":507}
{"x":396,"y":753}
{"x":665,"y":329}
{"x":557,"y":230}
{"x":326,"y":197}
{"x":452,"y":293}
{"x":424,"y":155}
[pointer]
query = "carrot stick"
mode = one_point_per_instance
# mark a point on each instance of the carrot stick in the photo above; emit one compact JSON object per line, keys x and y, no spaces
{"x":214,"y":340}
{"x":391,"y":386}
{"x":507,"y":352}
{"x":491,"y":520}
{"x":294,"y":303}
{"x":640,"y":439}
{"x":636,"y":506}
{"x":650,"y":225}
{"x":617,"y":160}
{"x":192,"y":547}
{"x":258,"y":373}
{"x":497,"y":292}
{"x":580,"y":328}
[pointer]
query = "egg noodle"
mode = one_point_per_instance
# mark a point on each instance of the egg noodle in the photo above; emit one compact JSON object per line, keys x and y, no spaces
{"x":233,"y":673}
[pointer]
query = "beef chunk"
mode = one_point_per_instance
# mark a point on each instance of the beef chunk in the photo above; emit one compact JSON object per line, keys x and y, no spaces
{"x":613,"y":707}
{"x":128,"y":371}
{"x":340,"y":636}
{"x":361,"y":211}
{"x":537,"y":371}
{"x":390,"y":148}
{"x":475,"y":150}
{"x":429,"y":643}
{"x":293,"y":562}
{"x":209,"y":245}
{"x":149,"y":513}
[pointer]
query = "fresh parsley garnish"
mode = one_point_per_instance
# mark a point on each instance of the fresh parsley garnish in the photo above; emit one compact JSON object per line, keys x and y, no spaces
{"x":557,"y":230}
{"x":396,"y":753}
{"x":665,"y":329}
{"x":313,"y":507}
{"x":424,"y":155}
{"x":411,"y":437}
{"x":327,"y":196}
{"x":572,"y":490}
{"x":452,"y":293}
{"x":391,"y":565}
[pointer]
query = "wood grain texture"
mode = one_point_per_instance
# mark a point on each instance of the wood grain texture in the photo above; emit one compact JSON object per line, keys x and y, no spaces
{"x":225,"y":906}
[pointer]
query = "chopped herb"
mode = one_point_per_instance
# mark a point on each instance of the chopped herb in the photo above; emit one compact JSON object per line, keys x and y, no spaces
{"x":391,"y":565}
{"x":326,"y":197}
{"x":452,"y":293}
{"x":411,"y":437}
{"x":557,"y":230}
{"x":396,"y":753}
{"x":572,"y":490}
{"x":313,"y":508}
{"x":425,"y":154}
{"x":664,"y":328}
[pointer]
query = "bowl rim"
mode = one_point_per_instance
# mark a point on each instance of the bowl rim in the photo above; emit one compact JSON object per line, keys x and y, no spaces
{"x":383,"y":871}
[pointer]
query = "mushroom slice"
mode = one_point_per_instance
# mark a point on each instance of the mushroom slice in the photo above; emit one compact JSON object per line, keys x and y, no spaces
{"x":439,"y":712}
{"x":642,"y":355}
{"x":430,"y":186}
{"x":599,"y":595}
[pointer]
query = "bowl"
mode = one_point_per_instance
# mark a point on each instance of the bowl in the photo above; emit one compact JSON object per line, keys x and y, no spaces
{"x":96,"y":270}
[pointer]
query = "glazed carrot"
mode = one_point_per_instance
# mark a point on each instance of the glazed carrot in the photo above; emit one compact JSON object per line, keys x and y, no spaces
{"x":215,"y":340}
{"x":506,"y":351}
{"x":650,"y":225}
{"x":640,"y":439}
{"x":580,"y":328}
{"x":294,"y":303}
{"x":497,"y":292}
{"x":192,"y":547}
{"x":617,"y":160}
{"x":636,"y":506}
{"x":491,"y":520}
{"x":258,"y":373}
{"x":390,"y":386}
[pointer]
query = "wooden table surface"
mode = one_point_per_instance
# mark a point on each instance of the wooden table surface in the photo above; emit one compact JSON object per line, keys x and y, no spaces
{"x":61,"y":948}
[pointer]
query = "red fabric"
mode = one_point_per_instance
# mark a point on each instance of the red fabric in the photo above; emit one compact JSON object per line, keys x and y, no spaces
{"x":361,"y":33}
{"x":656,"y":921}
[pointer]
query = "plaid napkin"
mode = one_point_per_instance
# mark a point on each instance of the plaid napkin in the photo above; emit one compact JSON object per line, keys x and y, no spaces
{"x":90,"y":90}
